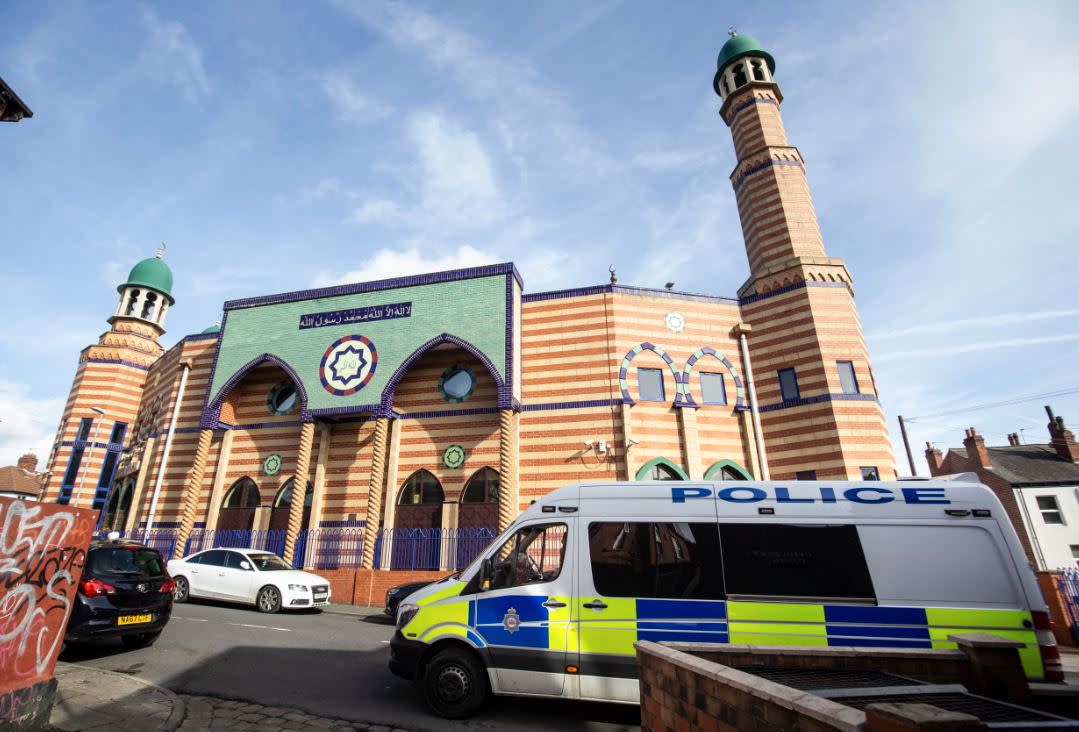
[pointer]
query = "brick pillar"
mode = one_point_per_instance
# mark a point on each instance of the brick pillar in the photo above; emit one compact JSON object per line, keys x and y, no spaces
{"x":509,"y":499}
{"x":374,"y":492}
{"x":934,"y":457}
{"x":299,"y":489}
{"x":1061,"y":438}
{"x":975,"y":445}
{"x":192,"y":492}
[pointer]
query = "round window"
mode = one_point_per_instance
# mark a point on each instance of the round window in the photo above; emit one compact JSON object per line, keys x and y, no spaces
{"x":282,"y":398}
{"x":457,"y":384}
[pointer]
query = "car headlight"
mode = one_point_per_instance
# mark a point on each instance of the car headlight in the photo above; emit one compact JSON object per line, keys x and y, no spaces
{"x":405,"y":613}
{"x":300,"y":588}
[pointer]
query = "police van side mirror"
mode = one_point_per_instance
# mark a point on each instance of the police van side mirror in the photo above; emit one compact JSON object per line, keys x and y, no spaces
{"x":487,"y":571}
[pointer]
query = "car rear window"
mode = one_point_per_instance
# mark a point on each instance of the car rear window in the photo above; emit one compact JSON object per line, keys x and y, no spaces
{"x":128,"y":561}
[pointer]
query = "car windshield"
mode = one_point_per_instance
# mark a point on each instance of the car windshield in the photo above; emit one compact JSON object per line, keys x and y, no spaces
{"x":126,"y":560}
{"x":268,"y":562}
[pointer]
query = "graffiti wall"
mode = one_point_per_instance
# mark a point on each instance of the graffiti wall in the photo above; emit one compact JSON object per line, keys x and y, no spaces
{"x":42,"y":548}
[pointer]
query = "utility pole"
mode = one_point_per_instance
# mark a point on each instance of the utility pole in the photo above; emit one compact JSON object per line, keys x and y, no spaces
{"x":906,"y":444}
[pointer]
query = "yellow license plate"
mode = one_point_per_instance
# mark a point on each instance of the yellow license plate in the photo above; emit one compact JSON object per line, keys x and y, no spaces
{"x":135,"y":619}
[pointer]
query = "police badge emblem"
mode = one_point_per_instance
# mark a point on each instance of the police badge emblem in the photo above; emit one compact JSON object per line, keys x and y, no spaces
{"x":512,"y":621}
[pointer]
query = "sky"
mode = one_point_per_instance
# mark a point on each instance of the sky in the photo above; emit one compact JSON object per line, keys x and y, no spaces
{"x":275,"y":146}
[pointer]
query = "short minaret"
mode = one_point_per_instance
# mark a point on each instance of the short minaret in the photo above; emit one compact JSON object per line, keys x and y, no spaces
{"x":108,"y":387}
{"x":824,"y":419}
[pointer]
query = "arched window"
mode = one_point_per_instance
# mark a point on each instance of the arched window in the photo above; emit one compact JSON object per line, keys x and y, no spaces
{"x":242,"y":494}
{"x":758,"y":70}
{"x":727,"y":470}
{"x":132,"y":303}
{"x":284,"y":496}
{"x":740,"y":75}
{"x":661,"y":469}
{"x":421,"y":487}
{"x":482,"y":487}
{"x":149,"y":305}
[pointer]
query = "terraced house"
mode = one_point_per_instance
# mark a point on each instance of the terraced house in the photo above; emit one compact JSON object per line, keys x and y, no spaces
{"x":449,"y":401}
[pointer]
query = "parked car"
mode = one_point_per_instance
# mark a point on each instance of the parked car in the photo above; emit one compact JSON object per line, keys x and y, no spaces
{"x":124,"y":593}
{"x":249,"y":576}
{"x":394,"y":595}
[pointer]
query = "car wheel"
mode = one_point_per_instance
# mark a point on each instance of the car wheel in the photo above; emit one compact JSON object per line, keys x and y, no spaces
{"x":182,"y":591}
{"x":139,"y":640}
{"x":269,"y":599}
{"x":454,"y":684}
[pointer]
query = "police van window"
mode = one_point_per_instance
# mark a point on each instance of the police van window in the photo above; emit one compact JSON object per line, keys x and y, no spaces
{"x":663,"y":560}
{"x":958,"y":565}
{"x":533,"y":554}
{"x":794,"y":561}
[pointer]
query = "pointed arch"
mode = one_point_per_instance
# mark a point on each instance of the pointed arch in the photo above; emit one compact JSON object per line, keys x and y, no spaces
{"x":399,"y":374}
{"x":623,"y":370}
{"x":243,"y":493}
{"x":661,"y":465}
{"x":727,"y":470}
{"x":481,"y":487}
{"x":284,"y":496}
{"x":686,"y":397}
{"x":212,"y":411}
{"x":420,"y":487}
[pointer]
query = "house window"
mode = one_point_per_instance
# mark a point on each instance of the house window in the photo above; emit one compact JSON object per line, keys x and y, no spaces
{"x":84,"y":429}
{"x":1075,"y":553}
{"x":806,"y":475}
{"x":788,"y":385}
{"x":660,"y":471}
{"x":712,"y":388}
{"x":118,"y":430}
{"x":848,"y":382}
{"x":1050,"y":510}
{"x":656,"y":560}
{"x":282,"y":398}
{"x":650,"y":385}
{"x":73,"y":466}
{"x":870,"y":473}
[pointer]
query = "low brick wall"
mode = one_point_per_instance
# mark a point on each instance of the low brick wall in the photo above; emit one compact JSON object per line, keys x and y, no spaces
{"x":367,"y":587}
{"x":1062,"y":630}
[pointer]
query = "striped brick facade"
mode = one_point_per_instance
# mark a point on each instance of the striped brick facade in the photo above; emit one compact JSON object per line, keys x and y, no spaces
{"x":562,"y":404}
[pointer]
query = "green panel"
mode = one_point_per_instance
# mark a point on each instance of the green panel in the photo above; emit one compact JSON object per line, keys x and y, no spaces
{"x":477,"y":315}
{"x":776,"y":612}
{"x":957,"y":617}
{"x":776,"y":639}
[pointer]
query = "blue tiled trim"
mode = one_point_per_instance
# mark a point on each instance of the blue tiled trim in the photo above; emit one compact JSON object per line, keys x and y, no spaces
{"x":209,"y":417}
{"x":390,"y":284}
{"x":505,"y":394}
{"x":449,"y":413}
{"x":388,"y":392}
{"x":571,"y":405}
{"x":261,"y":425}
{"x":747,"y":105}
{"x":627,"y":290}
{"x":817,"y":400}
{"x":737,"y":182}
{"x":131,"y":364}
{"x":749,"y":299}
{"x":345,"y":524}
{"x":202,"y":337}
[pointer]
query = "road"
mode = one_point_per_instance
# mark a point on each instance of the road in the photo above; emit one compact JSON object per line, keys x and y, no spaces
{"x":326,"y":664}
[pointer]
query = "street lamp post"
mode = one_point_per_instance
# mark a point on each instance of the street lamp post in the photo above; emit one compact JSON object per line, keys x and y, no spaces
{"x":89,"y":456}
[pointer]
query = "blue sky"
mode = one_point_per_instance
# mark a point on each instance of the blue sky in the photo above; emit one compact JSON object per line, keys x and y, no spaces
{"x":276,"y":146}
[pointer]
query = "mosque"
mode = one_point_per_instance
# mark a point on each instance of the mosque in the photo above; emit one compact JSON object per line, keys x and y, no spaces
{"x":454,"y":399}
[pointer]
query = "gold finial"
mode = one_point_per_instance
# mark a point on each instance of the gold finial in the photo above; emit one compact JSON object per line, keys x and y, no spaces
{"x":732,"y":32}
{"x":160,"y":251}
{"x":614,"y":275}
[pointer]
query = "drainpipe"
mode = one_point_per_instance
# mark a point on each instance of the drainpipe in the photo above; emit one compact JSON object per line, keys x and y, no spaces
{"x":762,"y":456}
{"x":185,"y":368}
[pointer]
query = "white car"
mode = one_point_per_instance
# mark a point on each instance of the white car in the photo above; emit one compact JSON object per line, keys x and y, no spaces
{"x":248,"y":576}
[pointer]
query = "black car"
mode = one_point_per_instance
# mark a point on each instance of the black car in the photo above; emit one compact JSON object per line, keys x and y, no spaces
{"x":394,"y":595}
{"x":125,"y":592}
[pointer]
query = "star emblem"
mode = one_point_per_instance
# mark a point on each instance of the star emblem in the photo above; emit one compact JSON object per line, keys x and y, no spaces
{"x":347,"y":364}
{"x":511,"y":621}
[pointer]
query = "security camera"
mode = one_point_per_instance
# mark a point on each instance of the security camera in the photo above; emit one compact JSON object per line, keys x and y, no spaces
{"x":602,"y":447}
{"x":633,"y":442}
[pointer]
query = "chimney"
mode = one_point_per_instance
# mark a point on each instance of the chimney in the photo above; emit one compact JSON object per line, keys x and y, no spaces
{"x":1061,"y":438}
{"x":28,"y":462}
{"x":1013,"y":439}
{"x":934,"y":457}
{"x":976,"y":451}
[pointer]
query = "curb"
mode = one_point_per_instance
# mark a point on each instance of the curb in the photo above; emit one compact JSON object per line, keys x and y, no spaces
{"x":179,"y":708}
{"x":354,"y":610}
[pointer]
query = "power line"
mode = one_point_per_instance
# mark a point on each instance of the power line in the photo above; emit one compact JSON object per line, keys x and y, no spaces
{"x":993,"y":405}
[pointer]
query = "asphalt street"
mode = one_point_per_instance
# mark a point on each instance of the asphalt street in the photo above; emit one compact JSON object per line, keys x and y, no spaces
{"x":325,"y":664}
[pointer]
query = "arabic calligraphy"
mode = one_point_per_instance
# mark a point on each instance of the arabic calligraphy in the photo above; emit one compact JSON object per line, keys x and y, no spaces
{"x":389,"y":311}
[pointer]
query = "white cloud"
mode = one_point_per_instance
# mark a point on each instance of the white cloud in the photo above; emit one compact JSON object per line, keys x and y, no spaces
{"x":352,"y":104}
{"x":458,"y":179}
{"x":973,"y":347}
{"x":387,"y":263}
{"x":27,"y":424}
{"x":170,"y":55}
{"x":378,"y":211}
{"x":986,"y":321}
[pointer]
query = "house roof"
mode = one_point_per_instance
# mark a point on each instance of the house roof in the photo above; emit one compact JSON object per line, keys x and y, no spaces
{"x":16,"y":108}
{"x":14,"y":479}
{"x":1028,"y":464}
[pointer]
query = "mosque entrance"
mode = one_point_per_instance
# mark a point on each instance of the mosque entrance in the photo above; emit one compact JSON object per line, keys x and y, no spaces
{"x":283,"y":506}
{"x":238,"y":508}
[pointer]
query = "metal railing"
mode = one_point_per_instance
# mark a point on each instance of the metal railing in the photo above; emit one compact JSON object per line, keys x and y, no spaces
{"x":271,"y":540}
{"x":1068,"y":583}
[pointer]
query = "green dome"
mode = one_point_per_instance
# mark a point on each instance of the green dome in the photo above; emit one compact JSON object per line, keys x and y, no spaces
{"x":740,"y":46}
{"x":215,"y":328}
{"x":152,"y":273}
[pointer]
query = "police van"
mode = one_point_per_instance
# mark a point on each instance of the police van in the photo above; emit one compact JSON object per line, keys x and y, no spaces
{"x":555,"y":604}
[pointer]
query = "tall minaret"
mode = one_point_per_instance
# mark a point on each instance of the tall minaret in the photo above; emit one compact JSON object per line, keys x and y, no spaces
{"x":798,"y":301}
{"x":108,"y":387}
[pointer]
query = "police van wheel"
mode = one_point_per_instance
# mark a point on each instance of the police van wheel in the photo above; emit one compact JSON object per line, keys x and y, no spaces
{"x":454,"y":684}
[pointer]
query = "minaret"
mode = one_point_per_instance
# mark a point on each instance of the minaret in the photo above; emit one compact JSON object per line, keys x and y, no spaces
{"x":799,"y":301}
{"x":108,"y":386}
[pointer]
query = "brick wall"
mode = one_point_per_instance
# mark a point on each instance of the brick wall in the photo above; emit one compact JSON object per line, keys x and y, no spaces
{"x":1062,"y":629}
{"x":366,"y":587}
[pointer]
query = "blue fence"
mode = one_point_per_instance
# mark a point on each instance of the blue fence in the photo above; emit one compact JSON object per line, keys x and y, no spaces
{"x":1068,"y":582}
{"x":338,"y":548}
